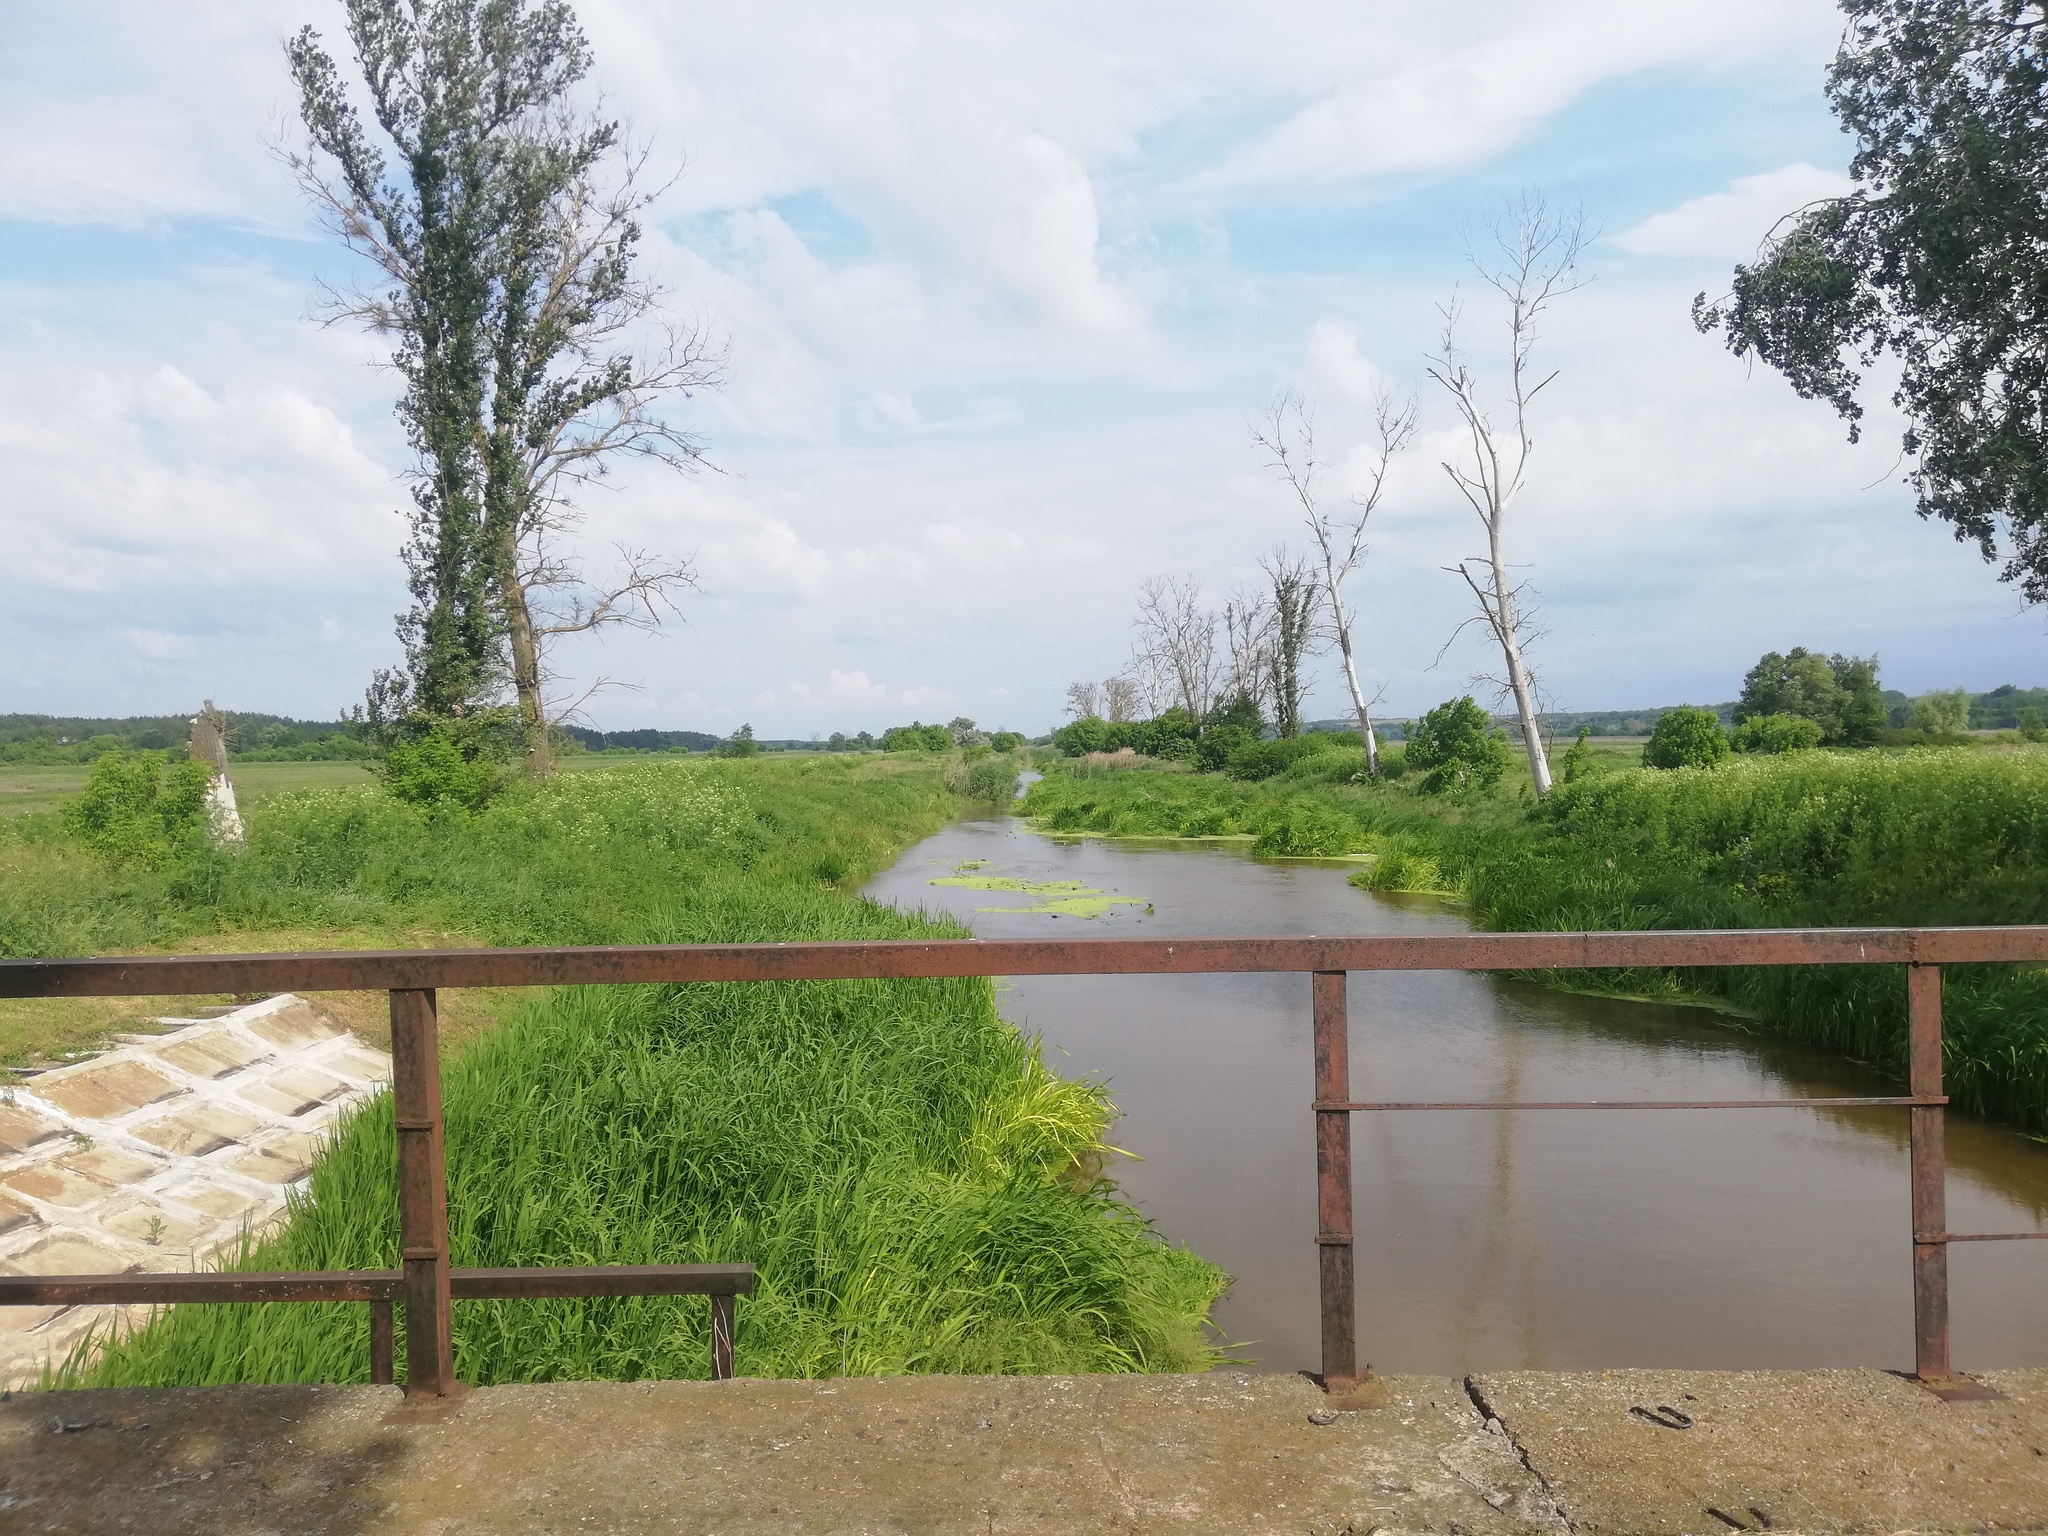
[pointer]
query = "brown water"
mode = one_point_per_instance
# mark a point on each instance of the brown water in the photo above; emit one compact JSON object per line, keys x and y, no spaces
{"x":1494,"y":1240}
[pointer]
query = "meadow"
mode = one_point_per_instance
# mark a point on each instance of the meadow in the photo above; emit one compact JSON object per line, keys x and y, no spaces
{"x":919,"y":1192}
{"x":1812,"y":838}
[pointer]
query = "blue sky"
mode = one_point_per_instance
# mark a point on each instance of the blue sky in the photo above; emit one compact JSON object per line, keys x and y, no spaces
{"x":999,"y":300}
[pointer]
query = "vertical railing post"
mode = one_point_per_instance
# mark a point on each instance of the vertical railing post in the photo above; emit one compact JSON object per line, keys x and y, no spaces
{"x":422,"y":1194}
{"x":1930,"y":1176}
{"x":721,"y":1338}
{"x":381,"y":1374}
{"x":1333,"y":1182}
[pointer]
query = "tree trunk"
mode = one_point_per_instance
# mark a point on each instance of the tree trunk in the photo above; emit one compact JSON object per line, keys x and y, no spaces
{"x":525,"y":665}
{"x":1342,"y":625}
{"x":1372,"y":745}
{"x":1519,"y":683}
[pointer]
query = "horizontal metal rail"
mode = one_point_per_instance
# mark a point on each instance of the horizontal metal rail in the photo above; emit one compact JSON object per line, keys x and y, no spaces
{"x":1901,"y":1103}
{"x":428,"y":1284}
{"x":141,"y":1289}
{"x":381,"y":1287}
{"x":382,"y":970}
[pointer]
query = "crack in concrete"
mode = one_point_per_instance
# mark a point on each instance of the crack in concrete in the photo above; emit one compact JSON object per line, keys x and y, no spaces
{"x":1491,"y":1419}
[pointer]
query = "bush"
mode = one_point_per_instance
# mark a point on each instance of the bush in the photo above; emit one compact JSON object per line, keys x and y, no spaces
{"x":1220,"y":743}
{"x":1264,"y":759}
{"x":1006,"y":741}
{"x":1775,"y":734}
{"x":1944,"y":712}
{"x":139,"y":808}
{"x":1456,"y":747}
{"x":1686,"y":738}
{"x":917,"y":738}
{"x":1169,"y":734}
{"x":740,"y":743}
{"x":442,"y":765}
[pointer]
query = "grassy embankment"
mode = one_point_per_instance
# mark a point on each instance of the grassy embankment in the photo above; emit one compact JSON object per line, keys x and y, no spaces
{"x":1816,"y":838}
{"x":919,"y":1192}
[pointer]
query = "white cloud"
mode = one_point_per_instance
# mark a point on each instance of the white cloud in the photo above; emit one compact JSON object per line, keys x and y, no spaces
{"x":1000,"y":290}
{"x":1732,"y":224}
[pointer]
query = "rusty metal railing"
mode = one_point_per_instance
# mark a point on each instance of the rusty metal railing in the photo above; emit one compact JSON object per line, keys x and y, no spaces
{"x":427,"y":1285}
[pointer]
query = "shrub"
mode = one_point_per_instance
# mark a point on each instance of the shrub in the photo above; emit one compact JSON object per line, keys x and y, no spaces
{"x":1006,"y":741}
{"x":1077,"y":738}
{"x":1775,"y":734}
{"x":1686,"y":738}
{"x":1944,"y":712}
{"x":915,"y":737}
{"x":1264,"y":759}
{"x":1456,"y":747}
{"x":740,"y":743}
{"x":442,"y":766}
{"x":138,"y":808}
{"x":1578,"y":762}
{"x":1220,"y":743}
{"x":1171,"y":733}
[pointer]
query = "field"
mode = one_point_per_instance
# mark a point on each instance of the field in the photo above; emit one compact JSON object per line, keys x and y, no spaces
{"x":1817,"y":838}
{"x":919,"y":1192}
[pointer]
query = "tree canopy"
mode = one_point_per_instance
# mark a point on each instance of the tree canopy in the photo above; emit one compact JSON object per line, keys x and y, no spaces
{"x":1840,"y":694}
{"x":1938,"y":259}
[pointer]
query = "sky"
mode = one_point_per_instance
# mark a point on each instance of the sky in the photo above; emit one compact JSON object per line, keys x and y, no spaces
{"x":1001,"y":289}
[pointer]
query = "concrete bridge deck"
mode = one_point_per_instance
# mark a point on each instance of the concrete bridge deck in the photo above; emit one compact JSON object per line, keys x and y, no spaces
{"x":1490,"y":1455}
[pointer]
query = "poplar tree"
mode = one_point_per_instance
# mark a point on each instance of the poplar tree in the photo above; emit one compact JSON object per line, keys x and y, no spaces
{"x":503,"y":222}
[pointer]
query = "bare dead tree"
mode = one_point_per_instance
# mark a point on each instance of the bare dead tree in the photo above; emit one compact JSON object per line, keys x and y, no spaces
{"x":1248,"y":632}
{"x":1534,"y":262}
{"x":1120,"y":702}
{"x":1294,"y":600}
{"x":1177,"y":639}
{"x":1081,"y":700}
{"x":1286,"y":431}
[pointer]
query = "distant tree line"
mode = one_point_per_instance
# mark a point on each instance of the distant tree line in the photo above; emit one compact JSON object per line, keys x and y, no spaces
{"x":255,"y":738}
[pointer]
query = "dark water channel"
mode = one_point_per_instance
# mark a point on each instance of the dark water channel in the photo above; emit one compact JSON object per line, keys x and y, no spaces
{"x":1493,"y":1240}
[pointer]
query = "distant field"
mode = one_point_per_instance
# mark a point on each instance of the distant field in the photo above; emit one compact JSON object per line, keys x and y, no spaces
{"x":24,"y":789}
{"x":27,"y":788}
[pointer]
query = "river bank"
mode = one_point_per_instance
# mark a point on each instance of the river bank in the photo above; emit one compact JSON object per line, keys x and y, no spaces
{"x":896,"y":1159}
{"x":1811,"y":839}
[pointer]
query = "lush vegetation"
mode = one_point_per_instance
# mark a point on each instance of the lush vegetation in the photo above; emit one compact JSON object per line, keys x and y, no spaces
{"x":1815,"y":837}
{"x":919,"y":1191}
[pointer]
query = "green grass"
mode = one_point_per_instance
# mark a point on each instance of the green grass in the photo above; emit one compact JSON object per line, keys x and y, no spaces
{"x":1905,"y":838}
{"x":918,"y":1191}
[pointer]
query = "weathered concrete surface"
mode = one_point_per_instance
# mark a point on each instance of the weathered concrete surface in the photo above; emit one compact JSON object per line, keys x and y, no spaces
{"x":1848,"y":1451}
{"x":1813,"y":1451}
{"x":933,"y":1455}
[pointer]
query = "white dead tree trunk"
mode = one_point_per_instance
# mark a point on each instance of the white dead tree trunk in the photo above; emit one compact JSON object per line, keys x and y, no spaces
{"x":1537,"y":263}
{"x":1287,"y":431}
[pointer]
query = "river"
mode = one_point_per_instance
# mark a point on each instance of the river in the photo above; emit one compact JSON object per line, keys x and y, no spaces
{"x":1489,"y":1240}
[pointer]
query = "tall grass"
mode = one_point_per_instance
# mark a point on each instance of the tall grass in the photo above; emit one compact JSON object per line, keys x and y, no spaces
{"x":918,"y":1191}
{"x":1821,"y":839}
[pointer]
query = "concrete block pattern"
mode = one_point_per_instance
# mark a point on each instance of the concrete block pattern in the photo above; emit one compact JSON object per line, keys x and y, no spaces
{"x":163,"y":1154}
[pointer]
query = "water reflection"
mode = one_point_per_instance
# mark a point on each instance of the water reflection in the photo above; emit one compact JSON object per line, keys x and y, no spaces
{"x":1492,"y":1240}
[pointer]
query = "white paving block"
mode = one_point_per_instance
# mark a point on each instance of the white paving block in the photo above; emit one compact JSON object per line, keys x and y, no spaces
{"x":164,"y":1153}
